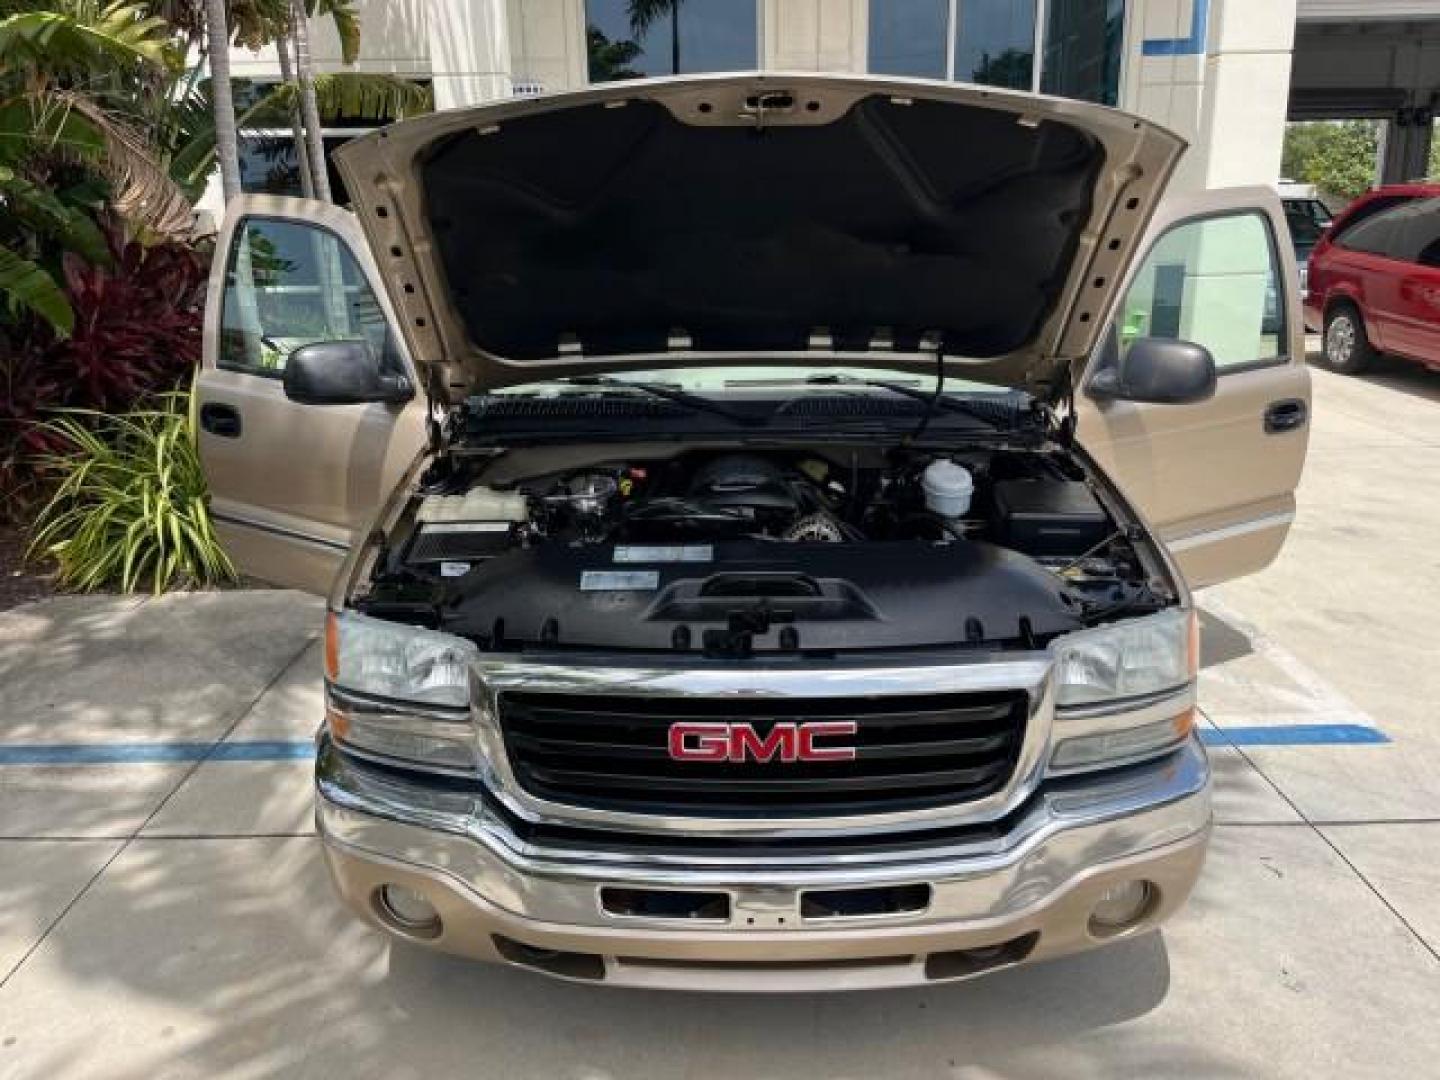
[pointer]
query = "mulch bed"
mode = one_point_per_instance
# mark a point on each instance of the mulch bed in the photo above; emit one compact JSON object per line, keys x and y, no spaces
{"x":20,"y":583}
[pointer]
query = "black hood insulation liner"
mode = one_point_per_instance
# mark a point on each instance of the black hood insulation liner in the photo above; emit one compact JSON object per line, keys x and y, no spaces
{"x":904,"y":218}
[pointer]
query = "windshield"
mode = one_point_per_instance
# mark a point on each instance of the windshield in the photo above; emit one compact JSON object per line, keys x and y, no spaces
{"x":1307,"y":219}
{"x":786,"y":380}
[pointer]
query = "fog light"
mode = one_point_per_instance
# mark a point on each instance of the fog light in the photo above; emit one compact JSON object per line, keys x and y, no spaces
{"x":1121,"y":906}
{"x":408,"y":911}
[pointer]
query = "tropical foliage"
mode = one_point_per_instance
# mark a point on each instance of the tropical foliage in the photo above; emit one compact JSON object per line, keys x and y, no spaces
{"x":1340,"y":158}
{"x":137,"y":316}
{"x":129,"y":509}
{"x":76,"y":77}
{"x":107,"y":139}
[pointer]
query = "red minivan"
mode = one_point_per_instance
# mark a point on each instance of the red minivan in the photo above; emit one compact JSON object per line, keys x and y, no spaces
{"x":1374,"y":284}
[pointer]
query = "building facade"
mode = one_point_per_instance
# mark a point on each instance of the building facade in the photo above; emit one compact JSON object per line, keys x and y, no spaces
{"x":1215,"y":71}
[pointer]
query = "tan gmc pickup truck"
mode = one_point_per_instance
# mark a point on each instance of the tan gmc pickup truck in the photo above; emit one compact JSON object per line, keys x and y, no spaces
{"x":765,"y":510}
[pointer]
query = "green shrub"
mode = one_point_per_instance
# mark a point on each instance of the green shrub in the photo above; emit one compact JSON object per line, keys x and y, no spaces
{"x":130,"y":503}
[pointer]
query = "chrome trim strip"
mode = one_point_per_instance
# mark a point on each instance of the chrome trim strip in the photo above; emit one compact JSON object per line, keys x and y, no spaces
{"x":358,"y":702}
{"x":1028,"y":672}
{"x":280,"y":530}
{"x":1230,"y":532}
{"x":1115,"y":814}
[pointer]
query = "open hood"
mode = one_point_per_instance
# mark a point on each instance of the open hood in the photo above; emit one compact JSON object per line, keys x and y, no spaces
{"x":758,"y":219}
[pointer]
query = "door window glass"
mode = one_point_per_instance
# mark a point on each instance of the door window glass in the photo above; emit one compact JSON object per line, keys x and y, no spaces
{"x":1307,"y":219}
{"x":1215,"y":282}
{"x":290,"y":284}
{"x":627,"y":39}
{"x":995,"y":43}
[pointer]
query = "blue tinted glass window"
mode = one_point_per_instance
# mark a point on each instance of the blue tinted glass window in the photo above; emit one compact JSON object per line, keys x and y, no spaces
{"x":631,"y":38}
{"x":1083,"y":43}
{"x":995,"y":42}
{"x":907,"y":37}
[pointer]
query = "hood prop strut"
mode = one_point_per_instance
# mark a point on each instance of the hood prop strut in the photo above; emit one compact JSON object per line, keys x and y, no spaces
{"x":934,"y":405}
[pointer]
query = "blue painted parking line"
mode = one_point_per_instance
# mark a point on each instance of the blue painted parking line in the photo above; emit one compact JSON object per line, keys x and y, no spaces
{"x":303,"y":749}
{"x":1295,"y":735}
{"x":156,"y":752}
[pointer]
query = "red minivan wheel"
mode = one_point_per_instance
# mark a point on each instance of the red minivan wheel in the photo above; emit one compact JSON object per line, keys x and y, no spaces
{"x":1347,"y":349}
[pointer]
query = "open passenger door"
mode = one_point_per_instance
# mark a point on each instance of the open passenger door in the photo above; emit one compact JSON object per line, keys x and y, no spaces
{"x":292,"y":483}
{"x":1217,"y":477}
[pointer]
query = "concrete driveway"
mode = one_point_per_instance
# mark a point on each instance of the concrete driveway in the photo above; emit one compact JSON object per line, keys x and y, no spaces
{"x":164,"y":913}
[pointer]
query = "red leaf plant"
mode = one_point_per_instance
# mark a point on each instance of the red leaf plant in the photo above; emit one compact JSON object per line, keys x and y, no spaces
{"x":137,"y":333}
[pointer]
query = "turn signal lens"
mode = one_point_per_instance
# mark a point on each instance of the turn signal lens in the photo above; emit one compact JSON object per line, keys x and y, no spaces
{"x":332,"y":646}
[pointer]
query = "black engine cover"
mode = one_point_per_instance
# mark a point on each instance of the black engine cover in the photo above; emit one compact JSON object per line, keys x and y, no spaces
{"x":744,"y":596}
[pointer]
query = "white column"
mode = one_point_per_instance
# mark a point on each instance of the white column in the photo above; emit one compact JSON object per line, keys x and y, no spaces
{"x":815,"y":35}
{"x":1166,"y":72}
{"x":469,"y":51}
{"x":547,"y":45}
{"x":1247,"y":91}
{"x":1216,"y":72}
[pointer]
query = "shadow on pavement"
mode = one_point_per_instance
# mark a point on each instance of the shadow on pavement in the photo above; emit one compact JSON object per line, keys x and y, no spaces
{"x":1395,"y":373}
{"x":1013,"y":1022}
{"x":210,"y":958}
{"x":1219,"y":641}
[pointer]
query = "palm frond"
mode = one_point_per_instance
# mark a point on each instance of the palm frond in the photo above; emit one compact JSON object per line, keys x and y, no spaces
{"x":38,"y":124}
{"x":142,"y":188}
{"x":47,"y":214}
{"x":338,"y":94}
{"x":24,"y":284}
{"x":646,"y":13}
{"x":353,"y":94}
{"x":86,"y":37}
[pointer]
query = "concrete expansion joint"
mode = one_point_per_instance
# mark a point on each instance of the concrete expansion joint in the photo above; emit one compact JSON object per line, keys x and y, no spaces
{"x":129,"y":839}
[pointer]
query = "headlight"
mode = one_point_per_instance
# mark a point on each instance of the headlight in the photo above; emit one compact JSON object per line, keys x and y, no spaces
{"x":400,"y":692}
{"x":1125,"y":659}
{"x":1111,"y":683}
{"x":395,"y":660}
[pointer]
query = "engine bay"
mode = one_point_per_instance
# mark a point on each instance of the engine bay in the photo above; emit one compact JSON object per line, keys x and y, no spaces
{"x":732,"y":552}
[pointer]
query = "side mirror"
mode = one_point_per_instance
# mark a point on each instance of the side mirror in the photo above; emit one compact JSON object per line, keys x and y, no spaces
{"x":1157,"y":370}
{"x":341,"y":373}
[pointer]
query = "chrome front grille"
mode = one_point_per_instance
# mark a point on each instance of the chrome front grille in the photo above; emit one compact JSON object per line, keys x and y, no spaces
{"x":610,"y":753}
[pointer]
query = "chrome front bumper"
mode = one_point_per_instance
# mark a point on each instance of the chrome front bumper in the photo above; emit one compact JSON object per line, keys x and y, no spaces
{"x":997,"y":896}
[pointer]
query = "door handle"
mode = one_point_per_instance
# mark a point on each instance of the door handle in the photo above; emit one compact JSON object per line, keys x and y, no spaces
{"x":220,"y":419}
{"x":1287,"y":415}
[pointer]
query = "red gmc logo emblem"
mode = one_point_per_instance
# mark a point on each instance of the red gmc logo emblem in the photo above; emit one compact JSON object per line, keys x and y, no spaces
{"x":738,"y":743}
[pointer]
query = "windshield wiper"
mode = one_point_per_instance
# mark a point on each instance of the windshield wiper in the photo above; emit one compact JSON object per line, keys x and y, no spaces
{"x":668,"y":393}
{"x":985,"y":412}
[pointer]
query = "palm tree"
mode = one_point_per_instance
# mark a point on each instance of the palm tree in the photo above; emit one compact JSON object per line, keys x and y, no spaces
{"x":297,"y":129}
{"x":645,"y":13}
{"x":309,"y":110}
{"x":227,"y":140}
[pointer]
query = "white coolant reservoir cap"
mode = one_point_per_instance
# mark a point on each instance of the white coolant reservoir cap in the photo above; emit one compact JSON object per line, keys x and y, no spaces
{"x":947,"y":488}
